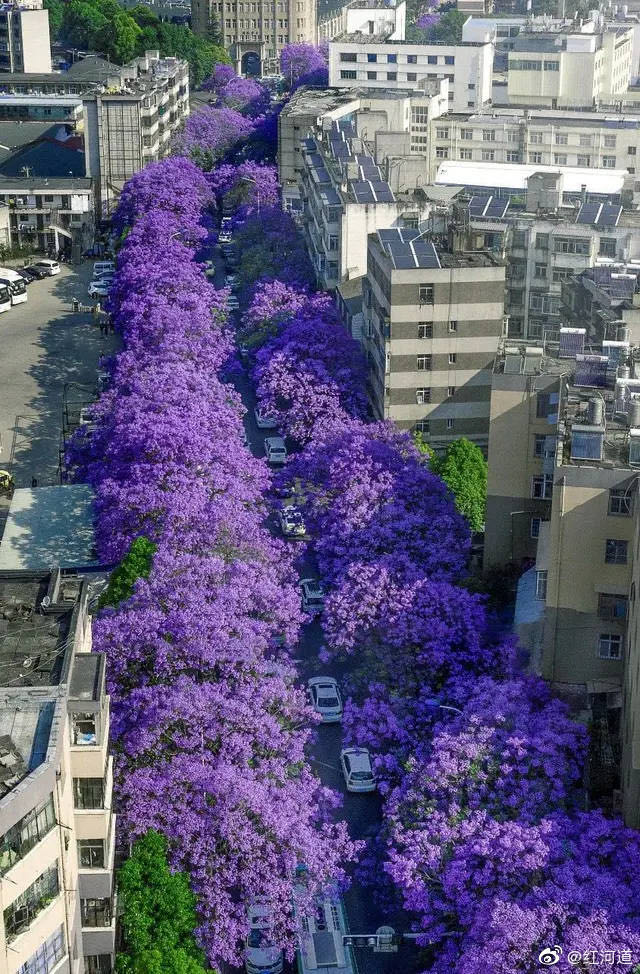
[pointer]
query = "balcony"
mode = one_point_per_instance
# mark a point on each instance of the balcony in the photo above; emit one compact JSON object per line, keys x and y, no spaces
{"x":23,"y":911}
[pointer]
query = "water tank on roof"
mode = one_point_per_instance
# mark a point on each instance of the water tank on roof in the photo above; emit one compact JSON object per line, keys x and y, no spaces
{"x":634,"y":413}
{"x":623,"y":334}
{"x":596,"y":412}
{"x":624,"y":372}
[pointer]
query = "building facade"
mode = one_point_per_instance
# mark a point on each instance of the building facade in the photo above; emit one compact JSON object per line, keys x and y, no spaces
{"x":57,"y":829}
{"x":255,"y":32}
{"x":50,"y":214}
{"x":127,"y":128}
{"x":432,"y":323}
{"x":24,"y":37}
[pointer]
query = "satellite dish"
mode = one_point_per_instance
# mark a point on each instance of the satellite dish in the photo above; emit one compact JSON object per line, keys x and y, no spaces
{"x":27,"y":663}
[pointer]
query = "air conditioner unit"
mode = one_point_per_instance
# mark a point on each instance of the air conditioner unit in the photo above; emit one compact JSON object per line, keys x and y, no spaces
{"x":21,"y":201}
{"x":420,"y":398}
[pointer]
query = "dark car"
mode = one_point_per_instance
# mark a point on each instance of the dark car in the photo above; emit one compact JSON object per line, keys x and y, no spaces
{"x":34,"y":273}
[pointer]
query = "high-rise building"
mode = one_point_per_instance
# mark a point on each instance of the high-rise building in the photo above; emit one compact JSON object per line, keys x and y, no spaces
{"x":432,"y":322}
{"x":255,"y":33}
{"x":57,"y":829}
{"x":24,"y":37}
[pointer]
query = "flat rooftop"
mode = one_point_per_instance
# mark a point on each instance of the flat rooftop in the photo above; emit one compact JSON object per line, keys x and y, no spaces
{"x":49,"y":526}
{"x":33,"y":639}
{"x":25,"y":731}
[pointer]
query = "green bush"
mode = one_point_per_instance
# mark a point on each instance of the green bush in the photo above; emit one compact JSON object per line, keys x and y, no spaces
{"x":135,"y":564}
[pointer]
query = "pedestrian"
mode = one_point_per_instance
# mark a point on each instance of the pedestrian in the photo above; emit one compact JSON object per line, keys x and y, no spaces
{"x":34,"y":481}
{"x":102,"y":328}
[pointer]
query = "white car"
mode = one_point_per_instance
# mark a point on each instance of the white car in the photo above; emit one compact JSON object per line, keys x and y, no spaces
{"x":325,"y":698}
{"x":262,"y":956}
{"x":99,"y":289}
{"x":231,"y":280}
{"x":50,"y":267}
{"x":292,"y":522}
{"x":356,"y":768}
{"x":225,"y":222}
{"x":275,"y":450}
{"x":103,"y":267}
{"x":264,"y":421}
{"x":225,"y":237}
{"x":312,"y":596}
{"x":232,"y":303}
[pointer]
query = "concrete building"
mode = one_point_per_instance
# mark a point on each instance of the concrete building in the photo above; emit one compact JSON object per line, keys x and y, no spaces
{"x":566,"y":69}
{"x":255,"y":33}
{"x":50,"y":214}
{"x":24,"y":37}
{"x":41,"y":108}
{"x":126,"y":128}
{"x":432,"y":322}
{"x":381,"y":61}
{"x":57,"y":830}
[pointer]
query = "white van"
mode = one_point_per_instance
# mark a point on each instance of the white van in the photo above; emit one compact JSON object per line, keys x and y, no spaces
{"x":16,"y":284}
{"x":103,"y":267}
{"x":50,"y":267}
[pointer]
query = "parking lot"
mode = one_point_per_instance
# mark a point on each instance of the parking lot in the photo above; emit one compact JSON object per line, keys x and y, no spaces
{"x":47,"y":353}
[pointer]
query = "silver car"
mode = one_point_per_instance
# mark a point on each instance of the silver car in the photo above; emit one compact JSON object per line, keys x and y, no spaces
{"x":325,"y":698}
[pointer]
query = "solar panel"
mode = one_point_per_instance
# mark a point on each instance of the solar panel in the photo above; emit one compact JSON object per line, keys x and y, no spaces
{"x":382,"y":192}
{"x":588,"y":213}
{"x":571,"y":342}
{"x":609,"y":215}
{"x":404,"y":262}
{"x":591,"y":370}
{"x":497,"y":208}
{"x":329,"y":196}
{"x":390,"y":235}
{"x":362,"y":191}
{"x":425,"y":252}
{"x":478,"y":204}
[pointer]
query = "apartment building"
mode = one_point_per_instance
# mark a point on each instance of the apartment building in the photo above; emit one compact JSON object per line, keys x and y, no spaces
{"x":567,"y":69}
{"x":50,"y":214}
{"x":255,"y":32}
{"x":57,"y":830}
{"x":432,"y":322}
{"x":130,"y":126}
{"x":24,"y":37}
{"x":380,"y":61}
{"x":41,"y":108}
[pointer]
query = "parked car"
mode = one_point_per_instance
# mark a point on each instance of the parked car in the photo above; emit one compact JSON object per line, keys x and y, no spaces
{"x":262,"y":956}
{"x":356,"y":768}
{"x":103,"y":267}
{"x":27,"y":278}
{"x":325,"y":698}
{"x":50,"y":267}
{"x":231,"y":280}
{"x":33,"y":272}
{"x":292,"y":522}
{"x":225,"y":223}
{"x":98,"y":289}
{"x":275,"y":450}
{"x":224,"y":237}
{"x":312,"y":596}
{"x":243,"y":351}
{"x":232,"y":303}
{"x":264,"y":421}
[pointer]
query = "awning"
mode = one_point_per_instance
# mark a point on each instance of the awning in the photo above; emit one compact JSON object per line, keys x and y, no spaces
{"x":57,"y":229}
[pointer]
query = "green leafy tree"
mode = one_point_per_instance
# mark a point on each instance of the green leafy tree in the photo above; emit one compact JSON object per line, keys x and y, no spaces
{"x":159,"y":914}
{"x":424,"y":447}
{"x":464,"y":469}
{"x":135,"y":564}
{"x":81,"y":24}
{"x":56,"y":13}
{"x":448,"y":30}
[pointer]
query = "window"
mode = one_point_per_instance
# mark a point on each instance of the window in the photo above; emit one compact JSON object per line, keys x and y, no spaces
{"x":608,"y":162}
{"x":608,"y":246}
{"x":350,"y":58}
{"x":97,"y":964}
{"x":572,"y":245}
{"x":83,"y":729}
{"x":450,"y":424}
{"x":25,"y":834}
{"x":583,"y":161}
{"x":561,"y":139}
{"x":560,"y":158}
{"x":609,"y":141}
{"x":46,"y":956}
{"x":423,"y":363}
{"x":452,"y":358}
{"x":538,"y":444}
{"x":513,"y":136}
{"x":372,"y":75}
{"x":392,"y":75}
{"x":423,"y":395}
{"x":432,"y":59}
{"x":88,"y":792}
{"x":612,"y":607}
{"x":610,"y":645}
{"x":519,"y":238}
{"x":585,"y":141}
{"x":631,"y":150}
{"x":348,"y":75}
{"x":542,"y":241}
{"x":453,"y":326}
{"x":616,"y":551}
{"x":29,"y":904}
{"x":466,"y":134}
{"x":561,"y":274}
{"x":425,"y":331}
{"x":542,"y":486}
{"x":540,"y":272}
{"x":442,"y":152}
{"x":534,"y":527}
{"x":541,"y":585}
{"x":423,"y":426}
{"x":466,"y":154}
{"x":425,"y":293}
{"x":451,"y":391}
{"x":551,"y":65}
{"x":471,"y":87}
{"x":412,"y":76}
{"x":488,"y":155}
{"x":96,"y":913}
{"x":412,"y":58}
{"x":442,"y":133}
{"x":372,"y":58}
{"x":619,"y":502}
{"x":513,"y":156}
{"x":488,"y":135}
{"x":535,"y":138}
{"x":535,"y":158}
{"x":392,"y":58}
{"x":91,"y":853}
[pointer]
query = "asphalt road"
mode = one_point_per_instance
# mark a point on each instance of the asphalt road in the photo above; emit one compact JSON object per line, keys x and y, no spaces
{"x":361,"y":812}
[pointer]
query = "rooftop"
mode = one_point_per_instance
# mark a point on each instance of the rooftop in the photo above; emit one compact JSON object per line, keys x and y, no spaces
{"x":312,"y":101}
{"x":560,"y":117}
{"x":358,"y":37}
{"x":49,"y":526}
{"x":25,"y":731}
{"x":66,"y":184}
{"x":343,"y":169}
{"x":32,"y":643}
{"x":409,"y":249}
{"x":92,"y":68}
{"x":514,"y":176}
